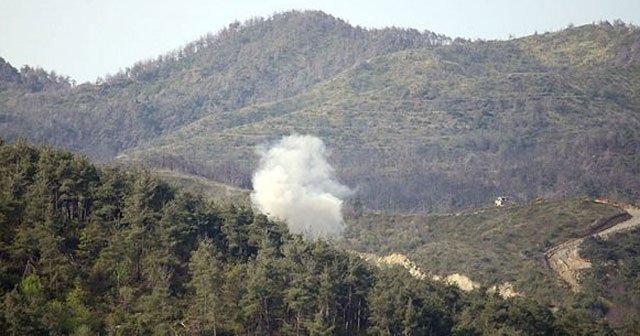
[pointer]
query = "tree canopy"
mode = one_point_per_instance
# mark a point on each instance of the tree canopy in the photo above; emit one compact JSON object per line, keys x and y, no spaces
{"x":87,"y":250}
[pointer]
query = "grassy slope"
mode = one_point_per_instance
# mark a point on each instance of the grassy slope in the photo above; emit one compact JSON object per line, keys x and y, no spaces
{"x":491,"y":245}
{"x":217,"y":192}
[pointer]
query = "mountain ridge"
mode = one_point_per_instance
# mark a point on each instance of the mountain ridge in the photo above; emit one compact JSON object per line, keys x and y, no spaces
{"x":242,"y":64}
{"x":346,"y":94}
{"x":434,"y":122}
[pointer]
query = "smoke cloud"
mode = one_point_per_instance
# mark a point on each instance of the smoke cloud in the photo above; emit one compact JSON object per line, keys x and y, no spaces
{"x":295,"y":183}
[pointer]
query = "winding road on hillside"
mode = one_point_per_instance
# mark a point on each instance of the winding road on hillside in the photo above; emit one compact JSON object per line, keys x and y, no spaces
{"x":564,"y":258}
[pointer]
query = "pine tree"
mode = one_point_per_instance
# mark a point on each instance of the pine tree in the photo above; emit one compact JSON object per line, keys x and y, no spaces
{"x":25,"y":308}
{"x":263,"y":302}
{"x":206,"y":282}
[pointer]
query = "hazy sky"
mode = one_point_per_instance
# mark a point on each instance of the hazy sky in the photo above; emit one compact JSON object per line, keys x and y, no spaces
{"x":89,"y":38}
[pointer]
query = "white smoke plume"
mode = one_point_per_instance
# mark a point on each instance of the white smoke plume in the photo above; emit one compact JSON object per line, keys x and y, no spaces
{"x":295,"y":183}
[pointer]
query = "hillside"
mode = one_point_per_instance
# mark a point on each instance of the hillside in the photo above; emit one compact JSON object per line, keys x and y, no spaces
{"x":259,"y":61}
{"x":451,"y":126}
{"x":493,"y":246}
{"x":415,"y":121}
{"x":90,"y":251}
{"x":214,"y":191}
{"x":615,"y":272}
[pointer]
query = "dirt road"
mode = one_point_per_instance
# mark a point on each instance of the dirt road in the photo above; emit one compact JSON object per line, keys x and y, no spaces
{"x":565,"y":260}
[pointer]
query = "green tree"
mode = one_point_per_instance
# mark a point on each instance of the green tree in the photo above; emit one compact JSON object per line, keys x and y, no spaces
{"x":323,"y":321}
{"x":262,"y":304}
{"x":235,"y":229}
{"x":206,"y":283}
{"x":156,"y":310}
{"x":25,"y":307}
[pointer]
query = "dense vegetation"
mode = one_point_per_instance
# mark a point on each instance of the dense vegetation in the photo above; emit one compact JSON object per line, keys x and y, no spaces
{"x":615,"y":273}
{"x":108,"y":251}
{"x":415,"y":120}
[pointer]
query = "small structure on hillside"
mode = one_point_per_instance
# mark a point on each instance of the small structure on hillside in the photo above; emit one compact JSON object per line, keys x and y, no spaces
{"x":501,"y":201}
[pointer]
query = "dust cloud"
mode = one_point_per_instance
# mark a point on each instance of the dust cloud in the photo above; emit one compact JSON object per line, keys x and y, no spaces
{"x":295,"y":183}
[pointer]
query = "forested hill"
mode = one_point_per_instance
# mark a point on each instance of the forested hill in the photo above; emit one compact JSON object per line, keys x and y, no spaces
{"x":259,"y":61}
{"x":88,"y":251}
{"x":414,"y":120}
{"x":452,"y":126}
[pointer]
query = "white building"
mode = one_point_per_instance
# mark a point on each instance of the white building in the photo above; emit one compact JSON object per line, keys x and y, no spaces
{"x":501,"y":201}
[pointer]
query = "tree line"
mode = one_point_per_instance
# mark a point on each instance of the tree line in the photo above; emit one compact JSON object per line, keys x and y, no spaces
{"x":87,"y":250}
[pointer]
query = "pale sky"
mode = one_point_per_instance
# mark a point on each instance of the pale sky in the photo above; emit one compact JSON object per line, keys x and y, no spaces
{"x":85,"y":39}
